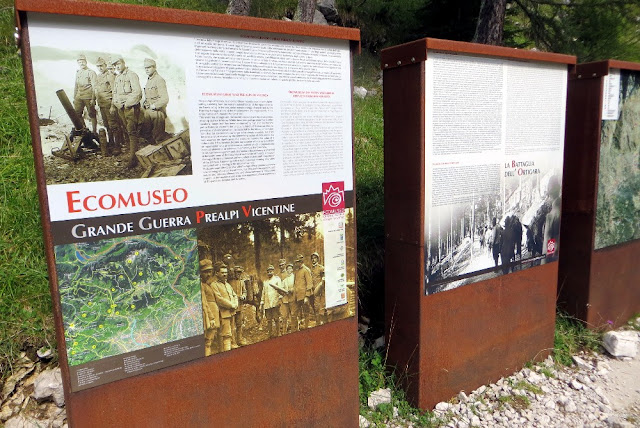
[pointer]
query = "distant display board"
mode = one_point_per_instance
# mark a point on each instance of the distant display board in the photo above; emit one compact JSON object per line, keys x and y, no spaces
{"x":494,"y":141}
{"x":618,"y":203}
{"x":199,"y":187}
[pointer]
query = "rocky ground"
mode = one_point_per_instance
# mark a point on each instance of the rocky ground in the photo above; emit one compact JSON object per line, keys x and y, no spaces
{"x":599,"y":390}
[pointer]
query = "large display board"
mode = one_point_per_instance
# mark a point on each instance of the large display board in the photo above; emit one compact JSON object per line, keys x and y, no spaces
{"x":618,"y":207}
{"x":494,"y":141}
{"x":236,"y":225}
{"x":472,"y":133}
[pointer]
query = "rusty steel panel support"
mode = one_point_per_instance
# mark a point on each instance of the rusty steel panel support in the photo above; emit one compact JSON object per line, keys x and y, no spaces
{"x":463,"y":338}
{"x":601,"y":287}
{"x":303,"y":379}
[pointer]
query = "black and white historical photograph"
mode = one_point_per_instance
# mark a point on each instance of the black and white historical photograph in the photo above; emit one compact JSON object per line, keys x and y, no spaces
{"x":111,"y":105}
{"x":514,"y":227}
{"x":264,"y":279}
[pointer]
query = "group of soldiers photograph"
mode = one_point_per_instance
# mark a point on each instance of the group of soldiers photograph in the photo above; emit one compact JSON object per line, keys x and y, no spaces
{"x":131,"y":115}
{"x":239,"y":309}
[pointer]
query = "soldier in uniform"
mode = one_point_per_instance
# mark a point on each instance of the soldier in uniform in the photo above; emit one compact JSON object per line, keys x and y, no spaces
{"x":240,"y":289}
{"x":227,"y":301}
{"x":155,"y":103}
{"x":317,"y":300}
{"x":302,"y":288}
{"x":84,"y":92}
{"x":211,"y":313}
{"x":126,"y":102}
{"x":104,"y":87}
{"x":287,"y":298}
{"x":270,"y":302}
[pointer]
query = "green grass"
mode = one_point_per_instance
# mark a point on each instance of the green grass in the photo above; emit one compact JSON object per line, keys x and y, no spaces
{"x":26,"y":321}
{"x":374,"y":376}
{"x":369,"y":158}
{"x":571,"y":336}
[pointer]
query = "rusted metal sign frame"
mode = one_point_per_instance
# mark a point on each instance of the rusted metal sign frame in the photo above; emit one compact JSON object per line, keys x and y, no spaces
{"x":309,"y":378}
{"x":463,"y":338}
{"x":599,"y":287}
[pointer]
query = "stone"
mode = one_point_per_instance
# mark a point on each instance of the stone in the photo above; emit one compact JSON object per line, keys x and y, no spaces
{"x":318,"y":18}
{"x":475,"y":421}
{"x":576,"y":385}
{"x":534,"y":378}
{"x":328,"y":9}
{"x":372,"y":92}
{"x":21,"y":422}
{"x":360,"y":92}
{"x":14,"y":379}
{"x":44,"y":353}
{"x":571,"y":407}
{"x":582,"y":364}
{"x":5,"y":413}
{"x":621,"y":343}
{"x":443,"y":406}
{"x":462,"y":397}
{"x":48,"y":385}
{"x":615,"y":422}
{"x":379,"y":397}
{"x":363,"y":422}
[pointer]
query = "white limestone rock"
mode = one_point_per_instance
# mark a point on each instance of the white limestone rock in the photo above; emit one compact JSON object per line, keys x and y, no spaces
{"x":621,"y":343}
{"x":48,"y":385}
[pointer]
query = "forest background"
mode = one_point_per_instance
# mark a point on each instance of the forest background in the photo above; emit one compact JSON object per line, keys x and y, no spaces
{"x":590,"y":29}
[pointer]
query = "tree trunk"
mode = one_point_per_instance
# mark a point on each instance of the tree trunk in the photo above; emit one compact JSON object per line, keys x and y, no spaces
{"x":306,"y":10}
{"x":490,"y":22}
{"x":239,"y":7}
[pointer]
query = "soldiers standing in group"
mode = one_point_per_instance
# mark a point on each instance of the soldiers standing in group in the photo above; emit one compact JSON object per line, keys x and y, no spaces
{"x":227,"y":301}
{"x":239,"y":287}
{"x":104,"y":95}
{"x":84,"y":92}
{"x":211,"y":313}
{"x":318,"y":301}
{"x":126,"y":102}
{"x":155,"y":103}
{"x":303,"y":288}
{"x":270,"y":301}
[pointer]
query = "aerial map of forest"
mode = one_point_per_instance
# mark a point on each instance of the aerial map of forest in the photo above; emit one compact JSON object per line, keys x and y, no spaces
{"x":618,"y":209}
{"x":120,"y":295}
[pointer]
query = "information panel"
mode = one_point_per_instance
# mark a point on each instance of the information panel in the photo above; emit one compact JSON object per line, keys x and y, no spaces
{"x":199,"y":185}
{"x":494,"y":135}
{"x":618,"y":203}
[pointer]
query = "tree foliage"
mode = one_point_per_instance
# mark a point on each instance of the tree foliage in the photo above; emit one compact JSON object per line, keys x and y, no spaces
{"x":590,"y":29}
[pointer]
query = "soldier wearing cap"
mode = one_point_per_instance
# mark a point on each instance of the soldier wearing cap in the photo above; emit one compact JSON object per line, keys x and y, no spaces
{"x":104,"y":95}
{"x":126,"y":102}
{"x":302,"y":288}
{"x":155,"y":103}
{"x":317,"y":299}
{"x":239,"y":287}
{"x":84,"y":92}
{"x":287,"y":298}
{"x":211,"y":313}
{"x":270,"y":302}
{"x":227,"y":301}
{"x":282,"y":264}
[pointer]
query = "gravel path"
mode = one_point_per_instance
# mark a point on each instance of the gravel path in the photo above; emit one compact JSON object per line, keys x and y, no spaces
{"x":597,"y":391}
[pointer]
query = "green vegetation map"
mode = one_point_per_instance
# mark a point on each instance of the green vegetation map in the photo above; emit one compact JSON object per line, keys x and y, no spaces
{"x":121,"y":295}
{"x":618,"y":209}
